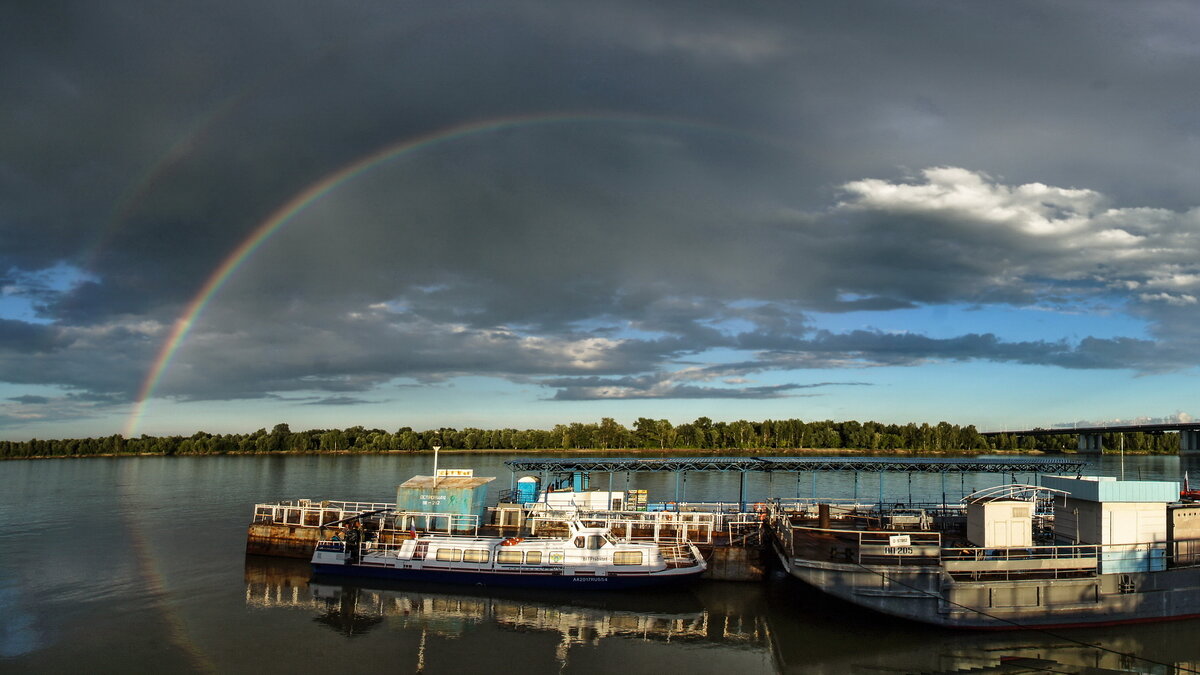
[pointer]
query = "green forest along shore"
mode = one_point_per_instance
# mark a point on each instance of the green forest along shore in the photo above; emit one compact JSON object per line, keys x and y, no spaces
{"x":647,"y":435}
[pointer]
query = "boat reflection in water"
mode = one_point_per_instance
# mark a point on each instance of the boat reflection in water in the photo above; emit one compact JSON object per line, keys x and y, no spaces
{"x":814,"y":633}
{"x":357,"y":607}
{"x":776,"y":626}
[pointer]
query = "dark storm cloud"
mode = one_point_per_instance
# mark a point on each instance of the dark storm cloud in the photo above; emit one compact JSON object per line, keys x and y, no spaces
{"x":29,"y":399}
{"x":682,"y":384}
{"x":730,"y":172}
{"x":610,"y":392}
{"x":871,"y":348}
{"x":22,"y":337}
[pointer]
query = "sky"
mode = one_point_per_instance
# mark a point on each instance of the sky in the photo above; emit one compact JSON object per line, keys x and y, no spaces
{"x":221,"y":216}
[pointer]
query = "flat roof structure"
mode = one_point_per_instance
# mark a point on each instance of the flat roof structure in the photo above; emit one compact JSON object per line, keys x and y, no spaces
{"x":794,"y":464}
{"x":680,"y":466}
{"x":1102,"y":429}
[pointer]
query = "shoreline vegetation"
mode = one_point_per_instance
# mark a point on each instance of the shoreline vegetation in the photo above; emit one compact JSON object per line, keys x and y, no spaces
{"x":647,"y":436}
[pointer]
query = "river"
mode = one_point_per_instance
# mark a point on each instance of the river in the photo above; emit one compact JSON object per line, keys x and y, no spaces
{"x":117,"y":565}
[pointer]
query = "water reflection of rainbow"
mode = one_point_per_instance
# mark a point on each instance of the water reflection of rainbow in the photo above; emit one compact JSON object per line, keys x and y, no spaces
{"x":151,"y":574}
{"x":326,"y":184}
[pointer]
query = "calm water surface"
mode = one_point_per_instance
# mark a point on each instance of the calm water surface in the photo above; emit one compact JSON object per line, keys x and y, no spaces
{"x":137,"y":564}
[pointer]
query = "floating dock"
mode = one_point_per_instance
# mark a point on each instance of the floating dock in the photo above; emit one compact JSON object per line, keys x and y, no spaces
{"x":731,"y":534}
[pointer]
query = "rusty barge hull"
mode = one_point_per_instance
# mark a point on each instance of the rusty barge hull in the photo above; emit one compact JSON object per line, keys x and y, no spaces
{"x":295,"y":541}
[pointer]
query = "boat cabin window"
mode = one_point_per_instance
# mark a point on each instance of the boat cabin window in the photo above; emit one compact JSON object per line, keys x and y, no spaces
{"x":591,"y":542}
{"x":627,"y":558}
{"x":449,"y":554}
{"x":476,"y":555}
{"x":506,"y":557}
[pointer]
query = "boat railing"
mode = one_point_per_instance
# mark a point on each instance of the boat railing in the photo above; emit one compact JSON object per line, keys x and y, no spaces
{"x":680,"y":555}
{"x":1054,"y":562}
{"x":889,"y":547}
{"x":437,"y":522}
{"x":325,"y":514}
{"x":898,"y":547}
{"x":310,"y":513}
{"x":632,"y":525}
{"x":883,"y":513}
{"x":859,"y":505}
{"x":676,"y":555}
{"x":746,"y":529}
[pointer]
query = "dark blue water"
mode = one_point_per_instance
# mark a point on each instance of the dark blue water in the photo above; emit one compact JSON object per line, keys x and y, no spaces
{"x":137,"y":564}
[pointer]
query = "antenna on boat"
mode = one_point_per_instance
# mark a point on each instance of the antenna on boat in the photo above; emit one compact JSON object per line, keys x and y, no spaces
{"x":437,"y":445}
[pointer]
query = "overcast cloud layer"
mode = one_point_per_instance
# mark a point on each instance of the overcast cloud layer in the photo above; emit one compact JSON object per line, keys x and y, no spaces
{"x":689,"y":197}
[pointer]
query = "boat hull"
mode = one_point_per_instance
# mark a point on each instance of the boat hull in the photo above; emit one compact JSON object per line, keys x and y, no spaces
{"x":609,"y":582}
{"x":927,"y":595}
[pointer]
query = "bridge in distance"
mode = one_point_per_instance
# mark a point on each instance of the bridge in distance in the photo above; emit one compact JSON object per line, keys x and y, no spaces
{"x":1091,"y":437}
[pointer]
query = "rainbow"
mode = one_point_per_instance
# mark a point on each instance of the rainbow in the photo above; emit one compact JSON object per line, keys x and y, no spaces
{"x":133,"y":197}
{"x":329,"y":182}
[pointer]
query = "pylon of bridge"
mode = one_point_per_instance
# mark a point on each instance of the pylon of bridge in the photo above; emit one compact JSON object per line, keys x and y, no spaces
{"x":1189,"y":441}
{"x":1091,"y":444}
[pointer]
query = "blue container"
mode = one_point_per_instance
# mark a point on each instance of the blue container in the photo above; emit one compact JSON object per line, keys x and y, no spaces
{"x":579,"y":481}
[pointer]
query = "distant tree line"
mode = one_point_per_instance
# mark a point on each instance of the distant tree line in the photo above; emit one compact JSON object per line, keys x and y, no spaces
{"x":702,"y":434}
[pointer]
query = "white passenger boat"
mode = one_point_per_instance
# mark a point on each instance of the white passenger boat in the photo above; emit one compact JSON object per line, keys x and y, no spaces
{"x":588,"y":558}
{"x":1101,"y":551}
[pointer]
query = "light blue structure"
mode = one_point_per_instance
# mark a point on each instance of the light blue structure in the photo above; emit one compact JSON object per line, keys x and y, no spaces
{"x":1108,"y":489}
{"x":1126,"y":518}
{"x":453,"y":495}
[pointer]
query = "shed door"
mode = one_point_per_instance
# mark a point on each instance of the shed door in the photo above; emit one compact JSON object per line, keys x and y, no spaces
{"x":999,"y":536}
{"x":1122,"y":527}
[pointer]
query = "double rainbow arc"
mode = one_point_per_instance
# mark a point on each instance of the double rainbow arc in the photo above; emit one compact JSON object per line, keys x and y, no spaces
{"x":315,"y":191}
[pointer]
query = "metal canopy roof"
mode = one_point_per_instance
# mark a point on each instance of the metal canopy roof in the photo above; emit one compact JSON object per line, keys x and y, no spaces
{"x":862,"y":464}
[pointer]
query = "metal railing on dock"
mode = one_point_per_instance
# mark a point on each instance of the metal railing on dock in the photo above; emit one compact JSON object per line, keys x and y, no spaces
{"x":311,"y":514}
{"x":632,"y":525}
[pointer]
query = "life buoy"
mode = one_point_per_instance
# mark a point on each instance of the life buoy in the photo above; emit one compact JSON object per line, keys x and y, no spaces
{"x":512,"y":541}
